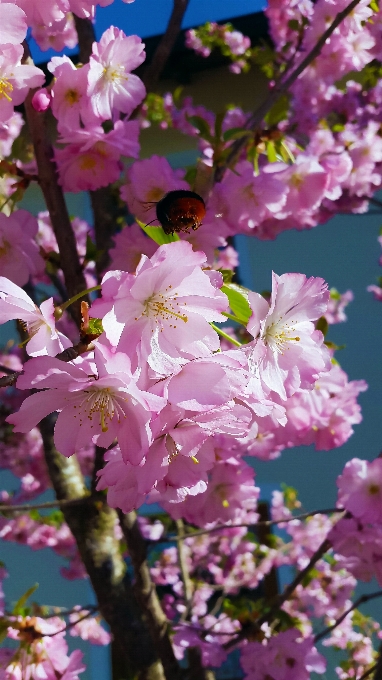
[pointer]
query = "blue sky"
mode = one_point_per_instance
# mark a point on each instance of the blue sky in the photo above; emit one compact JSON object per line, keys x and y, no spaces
{"x":149,"y":17}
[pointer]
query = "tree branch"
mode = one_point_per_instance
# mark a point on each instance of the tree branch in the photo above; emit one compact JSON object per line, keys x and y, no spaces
{"x":147,"y":596}
{"x":281,"y":88}
{"x":54,"y":198}
{"x":279,"y":600}
{"x":154,"y":69}
{"x":263,"y":523}
{"x":187,"y":583}
{"x":93,"y":527}
{"x":355,"y":605}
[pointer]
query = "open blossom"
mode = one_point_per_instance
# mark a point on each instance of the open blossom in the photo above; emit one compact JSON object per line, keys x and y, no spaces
{"x":163,"y":312}
{"x":112,"y":86}
{"x":16,"y":79}
{"x":282,"y":657}
{"x":293,"y":351}
{"x":360,"y":489}
{"x":148,"y":181}
{"x":13,"y":25}
{"x":40,"y":323}
{"x":94,"y":407}
{"x":91,"y":157}
{"x":70,"y":104}
{"x":19,"y":256}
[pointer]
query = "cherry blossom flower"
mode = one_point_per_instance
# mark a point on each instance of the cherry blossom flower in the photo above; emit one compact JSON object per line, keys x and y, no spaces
{"x":94,"y":407}
{"x":40,"y":323}
{"x":16,"y":79}
{"x":70,"y":104}
{"x":148,"y":181}
{"x":19,"y":256}
{"x":91,"y":158}
{"x":283,"y":657}
{"x":112,"y":86}
{"x":13,"y":25}
{"x":360,"y":489}
{"x":294,"y":353}
{"x":163,"y":312}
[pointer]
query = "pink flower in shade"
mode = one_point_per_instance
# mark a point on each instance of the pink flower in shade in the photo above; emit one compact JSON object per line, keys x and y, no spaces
{"x":13,"y":25}
{"x":112,"y":86}
{"x":70,"y":104}
{"x":128,"y":485}
{"x":358,"y":548}
{"x":360,"y":489}
{"x":40,"y":323}
{"x":337,"y":303}
{"x":376,"y":290}
{"x":252,"y":197}
{"x":45,"y":13}
{"x":91,"y":158}
{"x":130,"y":244}
{"x":16,"y":79}
{"x":97,"y":409}
{"x":229,"y":496}
{"x":307,"y":181}
{"x":163,"y":312}
{"x":285,"y":656}
{"x":89,"y":628}
{"x":147,"y":182}
{"x":57,"y":35}
{"x":8,"y":133}
{"x":294,"y":351}
{"x":19,"y":256}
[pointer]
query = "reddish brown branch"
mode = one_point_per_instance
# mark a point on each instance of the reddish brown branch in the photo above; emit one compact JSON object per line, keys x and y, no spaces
{"x":154,"y":69}
{"x":281,"y":88}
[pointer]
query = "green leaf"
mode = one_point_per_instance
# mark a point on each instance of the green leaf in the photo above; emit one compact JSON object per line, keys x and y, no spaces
{"x":271,"y":152}
{"x":238,"y":301}
{"x":157,"y":234}
{"x":322,"y":325}
{"x":234,"y":133}
{"x":94,"y":327}
{"x":294,"y":25}
{"x":22,"y":600}
{"x":278,"y":112}
{"x":91,"y":250}
{"x":200,"y":124}
{"x":227,"y":274}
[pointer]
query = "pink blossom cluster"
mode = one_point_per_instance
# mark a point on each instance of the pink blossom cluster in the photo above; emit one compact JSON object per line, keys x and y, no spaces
{"x":160,"y":384}
{"x":42,"y":650}
{"x":232,"y":43}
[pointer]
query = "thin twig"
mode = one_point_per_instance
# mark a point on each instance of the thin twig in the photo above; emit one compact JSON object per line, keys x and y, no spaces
{"x":368,"y":673}
{"x":155,"y":67}
{"x":27,"y":507}
{"x":54,"y":197}
{"x":187,"y":583}
{"x":68,"y":625}
{"x":5,"y":369}
{"x":355,"y":605}
{"x":378,"y":665}
{"x":281,"y":88}
{"x":265,"y":523}
{"x":279,"y":600}
{"x":67,"y":355}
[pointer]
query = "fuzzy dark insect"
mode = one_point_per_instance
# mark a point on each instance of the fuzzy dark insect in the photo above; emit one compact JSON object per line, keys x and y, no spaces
{"x":180,"y":210}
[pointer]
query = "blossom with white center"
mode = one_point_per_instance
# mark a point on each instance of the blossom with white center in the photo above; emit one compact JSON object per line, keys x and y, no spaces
{"x":40,"y":323}
{"x":94,"y":407}
{"x":293,"y":354}
{"x":111,"y":86}
{"x":163,"y":312}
